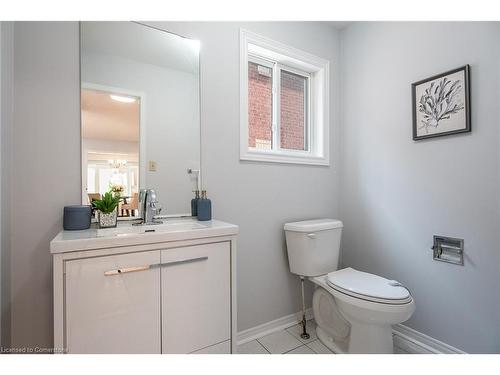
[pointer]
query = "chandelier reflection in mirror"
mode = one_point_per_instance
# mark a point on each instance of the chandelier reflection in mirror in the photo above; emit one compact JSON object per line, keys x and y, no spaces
{"x":117,"y":164}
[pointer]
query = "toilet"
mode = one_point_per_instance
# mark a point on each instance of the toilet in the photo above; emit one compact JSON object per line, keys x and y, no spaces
{"x":354,"y":310}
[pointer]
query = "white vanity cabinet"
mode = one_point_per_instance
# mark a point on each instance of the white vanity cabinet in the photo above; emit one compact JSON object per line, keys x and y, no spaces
{"x":170,"y":291}
{"x":112,"y":304}
{"x":195,"y":284}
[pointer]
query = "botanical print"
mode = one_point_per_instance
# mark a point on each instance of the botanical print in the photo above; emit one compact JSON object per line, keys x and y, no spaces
{"x":441,"y":104}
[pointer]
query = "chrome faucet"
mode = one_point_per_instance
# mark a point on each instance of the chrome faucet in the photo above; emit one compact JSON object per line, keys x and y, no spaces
{"x":149,"y":206}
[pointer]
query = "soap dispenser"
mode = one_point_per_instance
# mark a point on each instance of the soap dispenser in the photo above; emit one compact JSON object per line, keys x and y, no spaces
{"x":204,"y":207}
{"x":194,"y":203}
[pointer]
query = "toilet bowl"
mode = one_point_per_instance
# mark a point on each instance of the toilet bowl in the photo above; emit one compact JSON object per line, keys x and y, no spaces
{"x":367,"y":315}
{"x":354,"y":310}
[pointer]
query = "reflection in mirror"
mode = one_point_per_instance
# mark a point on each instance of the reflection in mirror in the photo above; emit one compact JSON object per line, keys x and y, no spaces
{"x":140,"y":115}
{"x":110,"y":145}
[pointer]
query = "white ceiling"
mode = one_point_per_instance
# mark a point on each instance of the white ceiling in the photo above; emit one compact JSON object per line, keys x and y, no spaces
{"x":140,"y":43}
{"x":105,"y":118}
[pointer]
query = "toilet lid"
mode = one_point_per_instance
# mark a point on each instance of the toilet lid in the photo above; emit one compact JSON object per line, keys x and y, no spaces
{"x":368,"y":286}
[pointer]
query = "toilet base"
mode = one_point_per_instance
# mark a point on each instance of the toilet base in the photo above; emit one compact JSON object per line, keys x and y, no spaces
{"x":336,"y":346}
{"x":370,"y":339}
{"x":361,"y":340}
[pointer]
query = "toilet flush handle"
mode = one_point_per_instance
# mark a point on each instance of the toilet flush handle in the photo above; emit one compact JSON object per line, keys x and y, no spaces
{"x":311,"y":235}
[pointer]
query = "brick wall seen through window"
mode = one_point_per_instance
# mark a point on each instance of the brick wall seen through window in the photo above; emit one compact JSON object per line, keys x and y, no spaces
{"x":292,"y":111}
{"x":260,"y":106}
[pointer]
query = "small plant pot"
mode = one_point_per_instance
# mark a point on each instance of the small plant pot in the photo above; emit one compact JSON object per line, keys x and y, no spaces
{"x":107,"y":220}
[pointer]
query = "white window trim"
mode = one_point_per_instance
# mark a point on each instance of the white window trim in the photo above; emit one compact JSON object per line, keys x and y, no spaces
{"x":319,"y":92}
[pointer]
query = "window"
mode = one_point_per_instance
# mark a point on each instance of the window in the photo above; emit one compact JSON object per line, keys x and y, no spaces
{"x":284,"y":103}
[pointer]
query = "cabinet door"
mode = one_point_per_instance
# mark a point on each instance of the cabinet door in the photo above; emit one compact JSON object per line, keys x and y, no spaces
{"x":113,"y":304}
{"x":195,"y":297}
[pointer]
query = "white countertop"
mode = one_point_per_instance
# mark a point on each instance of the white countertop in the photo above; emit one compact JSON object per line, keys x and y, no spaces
{"x":125,"y":234}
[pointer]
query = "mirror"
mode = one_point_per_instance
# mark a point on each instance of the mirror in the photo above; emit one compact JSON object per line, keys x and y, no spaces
{"x":140,"y":115}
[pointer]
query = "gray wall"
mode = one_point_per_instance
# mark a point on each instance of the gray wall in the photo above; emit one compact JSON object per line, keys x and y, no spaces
{"x":46,"y":166}
{"x":0,"y":179}
{"x":257,"y":196}
{"x":397,"y":193}
{"x":6,"y":86}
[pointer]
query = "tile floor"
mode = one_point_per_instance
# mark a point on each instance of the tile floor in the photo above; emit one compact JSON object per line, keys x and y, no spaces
{"x":288,"y":341}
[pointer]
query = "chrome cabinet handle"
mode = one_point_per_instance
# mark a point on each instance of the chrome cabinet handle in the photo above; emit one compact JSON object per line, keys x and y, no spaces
{"x":119,"y":271}
{"x":189,"y":260}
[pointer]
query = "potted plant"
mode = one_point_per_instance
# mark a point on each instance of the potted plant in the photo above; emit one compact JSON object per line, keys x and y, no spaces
{"x":107,"y":211}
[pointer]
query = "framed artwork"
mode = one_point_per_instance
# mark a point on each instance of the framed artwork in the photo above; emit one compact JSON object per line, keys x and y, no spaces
{"x":441,"y":104}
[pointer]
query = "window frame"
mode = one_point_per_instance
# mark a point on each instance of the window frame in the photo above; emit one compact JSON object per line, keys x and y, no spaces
{"x":264,"y":51}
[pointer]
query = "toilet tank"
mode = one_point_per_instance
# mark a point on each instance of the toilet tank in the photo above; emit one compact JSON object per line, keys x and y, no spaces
{"x":313,"y":246}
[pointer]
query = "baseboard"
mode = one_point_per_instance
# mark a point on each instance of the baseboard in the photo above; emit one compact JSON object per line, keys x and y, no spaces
{"x":414,"y":342}
{"x":271,"y":327}
{"x":405,"y":338}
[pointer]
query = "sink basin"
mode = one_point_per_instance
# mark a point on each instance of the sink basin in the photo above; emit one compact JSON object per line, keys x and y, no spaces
{"x":171,"y":225}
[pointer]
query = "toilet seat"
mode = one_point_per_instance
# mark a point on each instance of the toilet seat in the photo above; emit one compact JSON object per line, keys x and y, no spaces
{"x":369,"y":287}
